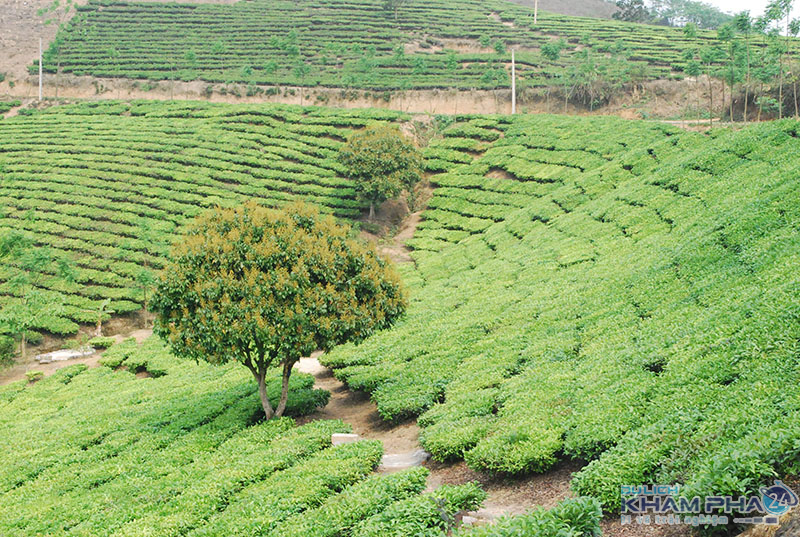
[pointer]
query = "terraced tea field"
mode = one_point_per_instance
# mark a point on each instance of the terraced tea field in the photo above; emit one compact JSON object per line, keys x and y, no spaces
{"x":100,"y":452}
{"x":354,"y":44}
{"x":110,"y":184}
{"x":617,"y":292}
{"x":611,"y":291}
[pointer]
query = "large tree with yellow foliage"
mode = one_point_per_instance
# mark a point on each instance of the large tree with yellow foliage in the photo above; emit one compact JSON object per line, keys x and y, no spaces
{"x":265,"y":287}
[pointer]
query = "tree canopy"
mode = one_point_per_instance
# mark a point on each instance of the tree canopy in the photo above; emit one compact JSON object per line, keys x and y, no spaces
{"x":266,"y":287}
{"x":690,"y":11}
{"x":383,"y":162}
{"x":632,"y":11}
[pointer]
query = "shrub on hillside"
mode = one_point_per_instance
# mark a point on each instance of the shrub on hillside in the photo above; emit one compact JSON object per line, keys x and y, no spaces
{"x":574,"y":517}
{"x":101,"y":342}
{"x":7,"y":348}
{"x":33,"y":376}
{"x":117,"y":354}
{"x":426,"y":515}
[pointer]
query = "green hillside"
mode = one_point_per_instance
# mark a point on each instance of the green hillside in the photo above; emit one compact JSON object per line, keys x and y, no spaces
{"x":110,"y":184}
{"x":357,"y":44}
{"x":613,"y":291}
{"x":101,"y":452}
{"x":619,"y":292}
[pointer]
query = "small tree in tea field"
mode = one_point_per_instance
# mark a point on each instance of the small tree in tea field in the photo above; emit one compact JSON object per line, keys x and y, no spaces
{"x":264,"y":287}
{"x":394,"y":6}
{"x":382,"y":162}
{"x":31,"y":303}
{"x":57,"y":12}
{"x":145,"y":283}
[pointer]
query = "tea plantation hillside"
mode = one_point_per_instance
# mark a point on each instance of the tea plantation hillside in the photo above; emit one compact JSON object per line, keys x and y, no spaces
{"x":358,"y":44}
{"x":111,"y":184}
{"x":623,"y":293}
{"x":101,"y":452}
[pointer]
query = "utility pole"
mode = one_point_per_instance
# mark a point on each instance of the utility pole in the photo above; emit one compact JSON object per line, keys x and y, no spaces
{"x":513,"y":83}
{"x":536,"y":12}
{"x":40,"y":69}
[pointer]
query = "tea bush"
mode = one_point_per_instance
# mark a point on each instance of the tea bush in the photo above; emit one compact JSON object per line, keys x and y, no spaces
{"x":610,"y":291}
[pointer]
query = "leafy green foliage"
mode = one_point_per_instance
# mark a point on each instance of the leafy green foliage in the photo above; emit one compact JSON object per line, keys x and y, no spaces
{"x":101,"y":342}
{"x":632,"y":11}
{"x":181,"y":455}
{"x":141,"y":40}
{"x":356,"y":503}
{"x":264,"y":288}
{"x":114,"y":199}
{"x":5,"y":106}
{"x":33,"y":376}
{"x":574,"y":517}
{"x":426,"y":515}
{"x":7,"y":348}
{"x":382,"y":162}
{"x":617,"y":294}
{"x":30,"y":305}
{"x":117,"y":354}
{"x":698,"y":14}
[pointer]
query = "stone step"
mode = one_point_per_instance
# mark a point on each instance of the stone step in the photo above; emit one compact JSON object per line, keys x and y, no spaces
{"x":401,"y":461}
{"x":63,"y":355}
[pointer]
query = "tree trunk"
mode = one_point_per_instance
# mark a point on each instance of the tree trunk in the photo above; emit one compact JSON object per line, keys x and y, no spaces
{"x":780,"y":72}
{"x":371,"y":210}
{"x":696,"y":115}
{"x":746,"y":98}
{"x":260,"y":376}
{"x":710,"y":101}
{"x":731,"y":111}
{"x":98,"y":331}
{"x":747,"y":80}
{"x":23,"y":346}
{"x":796,"y":107}
{"x":760,"y":101}
{"x":287,"y":372}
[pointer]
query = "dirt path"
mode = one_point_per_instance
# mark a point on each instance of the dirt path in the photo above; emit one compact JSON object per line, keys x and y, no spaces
{"x":17,"y":372}
{"x":507,"y":495}
{"x":359,"y":411}
{"x":397,"y":250}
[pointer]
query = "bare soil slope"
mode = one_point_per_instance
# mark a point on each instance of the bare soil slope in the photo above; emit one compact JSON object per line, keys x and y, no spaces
{"x":21,"y":28}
